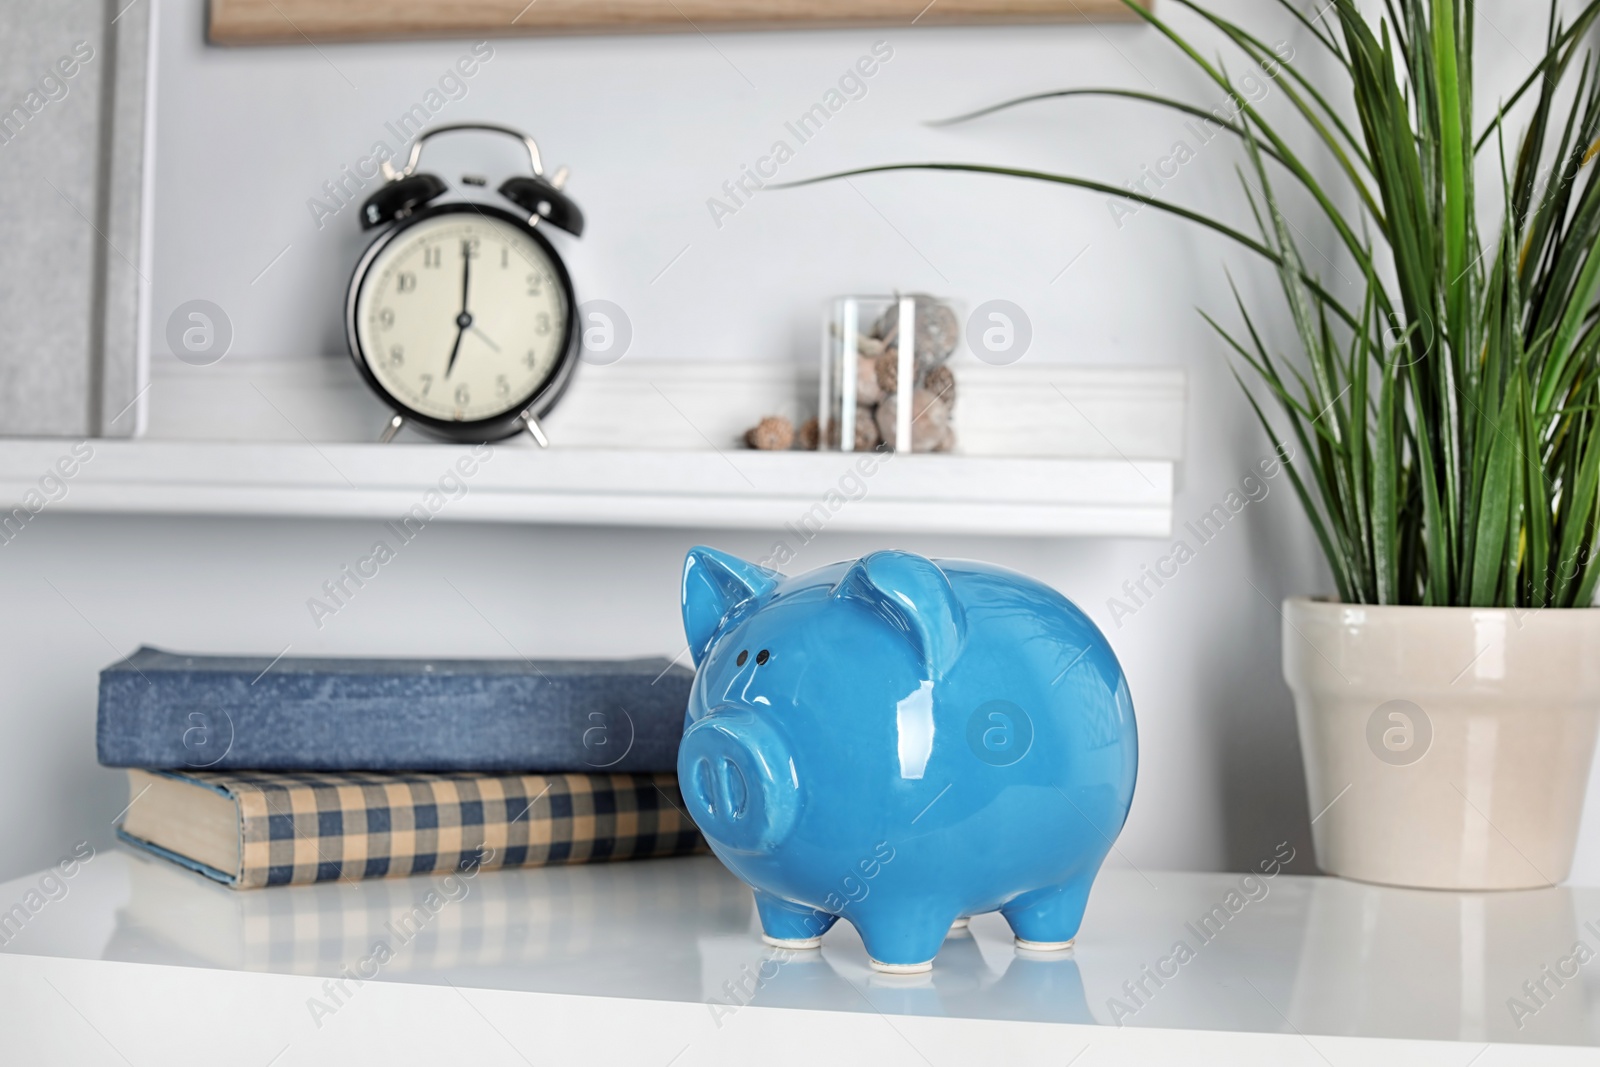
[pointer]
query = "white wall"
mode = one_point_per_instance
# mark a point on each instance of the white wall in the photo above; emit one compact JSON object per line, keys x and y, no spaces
{"x":652,"y":126}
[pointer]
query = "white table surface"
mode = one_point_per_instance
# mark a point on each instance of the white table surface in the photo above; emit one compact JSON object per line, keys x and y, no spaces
{"x":141,"y":962}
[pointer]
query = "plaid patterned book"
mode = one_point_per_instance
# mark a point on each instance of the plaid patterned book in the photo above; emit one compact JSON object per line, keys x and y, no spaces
{"x":546,"y":917}
{"x":249,"y":829}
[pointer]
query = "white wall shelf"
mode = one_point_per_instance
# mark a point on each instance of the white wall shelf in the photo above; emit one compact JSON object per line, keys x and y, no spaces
{"x":659,"y":961}
{"x":748,"y":490}
{"x":1046,"y":450}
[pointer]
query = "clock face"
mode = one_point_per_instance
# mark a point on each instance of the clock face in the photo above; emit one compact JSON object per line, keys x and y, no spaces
{"x":462,"y":316}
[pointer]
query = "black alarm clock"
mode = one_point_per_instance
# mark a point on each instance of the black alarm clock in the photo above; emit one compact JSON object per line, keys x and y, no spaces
{"x":461,"y":315}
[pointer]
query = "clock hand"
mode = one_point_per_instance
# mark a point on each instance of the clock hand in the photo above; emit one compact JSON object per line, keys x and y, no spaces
{"x":463,"y":320}
{"x":485,"y":338}
{"x":455,"y":350}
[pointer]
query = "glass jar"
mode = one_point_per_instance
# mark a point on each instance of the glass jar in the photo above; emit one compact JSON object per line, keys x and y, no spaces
{"x":874,"y":392}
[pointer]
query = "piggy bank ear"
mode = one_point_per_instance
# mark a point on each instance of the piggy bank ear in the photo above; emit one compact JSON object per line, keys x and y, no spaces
{"x":714,"y":583}
{"x":912,"y":595}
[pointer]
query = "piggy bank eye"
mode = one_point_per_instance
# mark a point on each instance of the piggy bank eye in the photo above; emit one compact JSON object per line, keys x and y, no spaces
{"x":744,"y":654}
{"x":762,"y":657}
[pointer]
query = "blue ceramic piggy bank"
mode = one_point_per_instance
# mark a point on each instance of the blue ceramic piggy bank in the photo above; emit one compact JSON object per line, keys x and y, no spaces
{"x":903,"y":743}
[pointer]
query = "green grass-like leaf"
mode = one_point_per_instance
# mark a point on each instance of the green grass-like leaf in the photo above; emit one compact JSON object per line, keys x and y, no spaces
{"x":1447,"y":431}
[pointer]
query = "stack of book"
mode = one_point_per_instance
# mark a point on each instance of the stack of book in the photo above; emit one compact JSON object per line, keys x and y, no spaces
{"x":262,"y":772}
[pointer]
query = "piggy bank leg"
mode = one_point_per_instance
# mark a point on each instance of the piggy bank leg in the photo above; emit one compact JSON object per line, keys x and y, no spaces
{"x":786,"y":924}
{"x":1047,"y":919}
{"x":904,"y":940}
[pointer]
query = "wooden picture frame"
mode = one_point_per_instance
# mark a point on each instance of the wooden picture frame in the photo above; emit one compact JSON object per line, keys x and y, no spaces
{"x":251,"y":22}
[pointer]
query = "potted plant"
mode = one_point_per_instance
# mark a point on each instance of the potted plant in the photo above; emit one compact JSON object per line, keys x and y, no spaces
{"x":1447,"y":432}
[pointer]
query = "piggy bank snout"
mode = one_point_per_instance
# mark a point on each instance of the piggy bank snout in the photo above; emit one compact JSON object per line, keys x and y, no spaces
{"x":735,"y":774}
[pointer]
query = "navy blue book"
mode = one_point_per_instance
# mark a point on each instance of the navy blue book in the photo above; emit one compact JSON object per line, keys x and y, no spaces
{"x":164,"y":710}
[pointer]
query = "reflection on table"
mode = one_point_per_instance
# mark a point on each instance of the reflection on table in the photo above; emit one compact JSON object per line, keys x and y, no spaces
{"x":1158,"y":949}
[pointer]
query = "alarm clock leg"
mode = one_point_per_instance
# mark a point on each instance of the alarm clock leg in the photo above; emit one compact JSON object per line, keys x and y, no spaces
{"x":390,"y":430}
{"x":531,"y":423}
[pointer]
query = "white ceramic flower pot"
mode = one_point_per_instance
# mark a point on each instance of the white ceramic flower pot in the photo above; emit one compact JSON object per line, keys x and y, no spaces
{"x":1445,"y":748}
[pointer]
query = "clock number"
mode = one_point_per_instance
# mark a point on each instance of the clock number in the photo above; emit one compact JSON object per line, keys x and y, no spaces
{"x":541,"y":323}
{"x":505,"y":257}
{"x":406,"y":283}
{"x":530,"y":360}
{"x":427,"y":383}
{"x":469,"y":248}
{"x":386,"y":318}
{"x":501,"y":386}
{"x":432,"y":257}
{"x":535,"y":284}
{"x":397,"y":355}
{"x":462,"y":396}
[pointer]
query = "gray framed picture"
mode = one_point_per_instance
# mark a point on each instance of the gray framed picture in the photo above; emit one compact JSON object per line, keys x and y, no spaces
{"x":73,"y":117}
